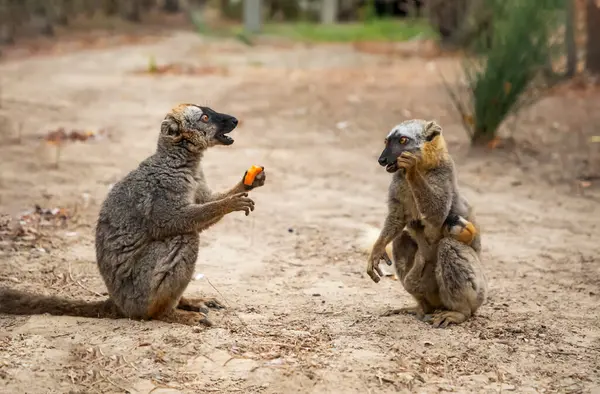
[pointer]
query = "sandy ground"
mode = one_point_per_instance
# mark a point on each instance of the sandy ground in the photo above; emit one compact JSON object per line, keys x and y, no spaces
{"x":303,"y":315}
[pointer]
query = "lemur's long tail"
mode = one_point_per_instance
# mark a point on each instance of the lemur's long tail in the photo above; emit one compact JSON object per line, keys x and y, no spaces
{"x":15,"y":302}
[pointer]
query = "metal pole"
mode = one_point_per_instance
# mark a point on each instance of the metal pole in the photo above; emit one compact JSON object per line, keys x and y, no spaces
{"x":252,"y":15}
{"x":329,"y":11}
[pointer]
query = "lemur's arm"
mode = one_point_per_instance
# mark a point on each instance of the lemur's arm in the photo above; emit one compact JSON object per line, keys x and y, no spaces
{"x":429,"y":173}
{"x":392,"y":227}
{"x":204,"y":194}
{"x":432,"y":192}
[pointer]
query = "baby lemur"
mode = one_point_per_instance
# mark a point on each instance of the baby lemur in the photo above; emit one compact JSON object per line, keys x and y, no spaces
{"x":147,"y":231}
{"x":431,"y":226}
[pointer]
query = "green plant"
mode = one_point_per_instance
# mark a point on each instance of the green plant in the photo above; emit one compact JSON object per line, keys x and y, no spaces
{"x":376,"y":30}
{"x":368,"y":11}
{"x":505,"y":75}
{"x":152,"y":66}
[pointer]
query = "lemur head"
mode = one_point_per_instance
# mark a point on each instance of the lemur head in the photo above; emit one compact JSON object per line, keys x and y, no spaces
{"x":413,"y":136}
{"x":196,"y":127}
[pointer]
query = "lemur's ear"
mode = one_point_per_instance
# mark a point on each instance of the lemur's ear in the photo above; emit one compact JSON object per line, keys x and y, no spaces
{"x":170,"y":126}
{"x":431,"y":130}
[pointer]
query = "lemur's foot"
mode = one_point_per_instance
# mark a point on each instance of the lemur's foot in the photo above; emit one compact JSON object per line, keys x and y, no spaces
{"x":199,"y":304}
{"x":410,"y":310}
{"x":189,"y":318}
{"x":445,"y":318}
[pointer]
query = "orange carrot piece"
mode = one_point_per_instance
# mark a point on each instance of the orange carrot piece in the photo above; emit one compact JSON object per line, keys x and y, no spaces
{"x":251,"y":175}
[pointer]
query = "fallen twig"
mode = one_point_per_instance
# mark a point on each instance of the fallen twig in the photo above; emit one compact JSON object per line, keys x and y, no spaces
{"x":80,"y":285}
{"x":113,"y":383}
{"x":228,"y":305}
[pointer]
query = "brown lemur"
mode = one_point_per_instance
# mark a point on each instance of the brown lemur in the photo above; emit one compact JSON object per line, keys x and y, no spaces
{"x":436,"y":263}
{"x":147,"y":233}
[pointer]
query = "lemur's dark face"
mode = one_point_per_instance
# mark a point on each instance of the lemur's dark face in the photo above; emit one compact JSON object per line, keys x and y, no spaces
{"x":405,"y":137}
{"x":197,"y":126}
{"x":213,"y":125}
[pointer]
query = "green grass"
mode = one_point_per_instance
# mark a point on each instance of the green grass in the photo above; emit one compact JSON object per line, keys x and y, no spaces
{"x":376,"y":30}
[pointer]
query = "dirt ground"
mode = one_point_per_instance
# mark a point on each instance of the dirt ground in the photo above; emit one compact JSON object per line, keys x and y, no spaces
{"x":303,"y":316}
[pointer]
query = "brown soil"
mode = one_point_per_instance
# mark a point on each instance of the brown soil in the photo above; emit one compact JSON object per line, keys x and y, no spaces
{"x":303,"y":315}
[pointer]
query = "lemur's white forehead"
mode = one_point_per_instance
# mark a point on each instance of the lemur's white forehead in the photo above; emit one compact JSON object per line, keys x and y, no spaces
{"x":191,"y":111}
{"x":187,"y":111}
{"x":410,"y":128}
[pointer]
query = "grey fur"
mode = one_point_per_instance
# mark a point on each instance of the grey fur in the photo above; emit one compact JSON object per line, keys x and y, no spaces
{"x":441,"y":273}
{"x":147,"y":234}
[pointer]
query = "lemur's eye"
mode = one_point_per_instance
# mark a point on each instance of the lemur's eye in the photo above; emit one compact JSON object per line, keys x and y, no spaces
{"x":204,"y":118}
{"x":403,"y":140}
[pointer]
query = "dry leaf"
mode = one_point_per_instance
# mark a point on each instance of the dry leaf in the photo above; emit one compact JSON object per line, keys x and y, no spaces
{"x":507,"y":88}
{"x":29,"y":227}
{"x":59,"y":136}
{"x":182,"y":69}
{"x":56,"y":137}
{"x":493,"y":144}
{"x":469,"y":120}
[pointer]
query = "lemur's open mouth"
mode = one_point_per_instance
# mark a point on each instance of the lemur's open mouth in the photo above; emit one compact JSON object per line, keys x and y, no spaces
{"x":226,"y":124}
{"x":224,"y":138}
{"x":391,"y":168}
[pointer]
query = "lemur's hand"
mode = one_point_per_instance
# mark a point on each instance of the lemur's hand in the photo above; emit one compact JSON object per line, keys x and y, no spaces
{"x":408,"y":161}
{"x":237,"y":202}
{"x":254,"y":177}
{"x":373,"y":270}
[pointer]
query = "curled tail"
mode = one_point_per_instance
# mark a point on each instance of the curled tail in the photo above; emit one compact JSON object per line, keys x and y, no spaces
{"x":15,"y":302}
{"x":368,"y":238}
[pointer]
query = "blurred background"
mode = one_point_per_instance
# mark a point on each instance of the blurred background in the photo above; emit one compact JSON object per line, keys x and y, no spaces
{"x":317,"y":85}
{"x":524,"y":51}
